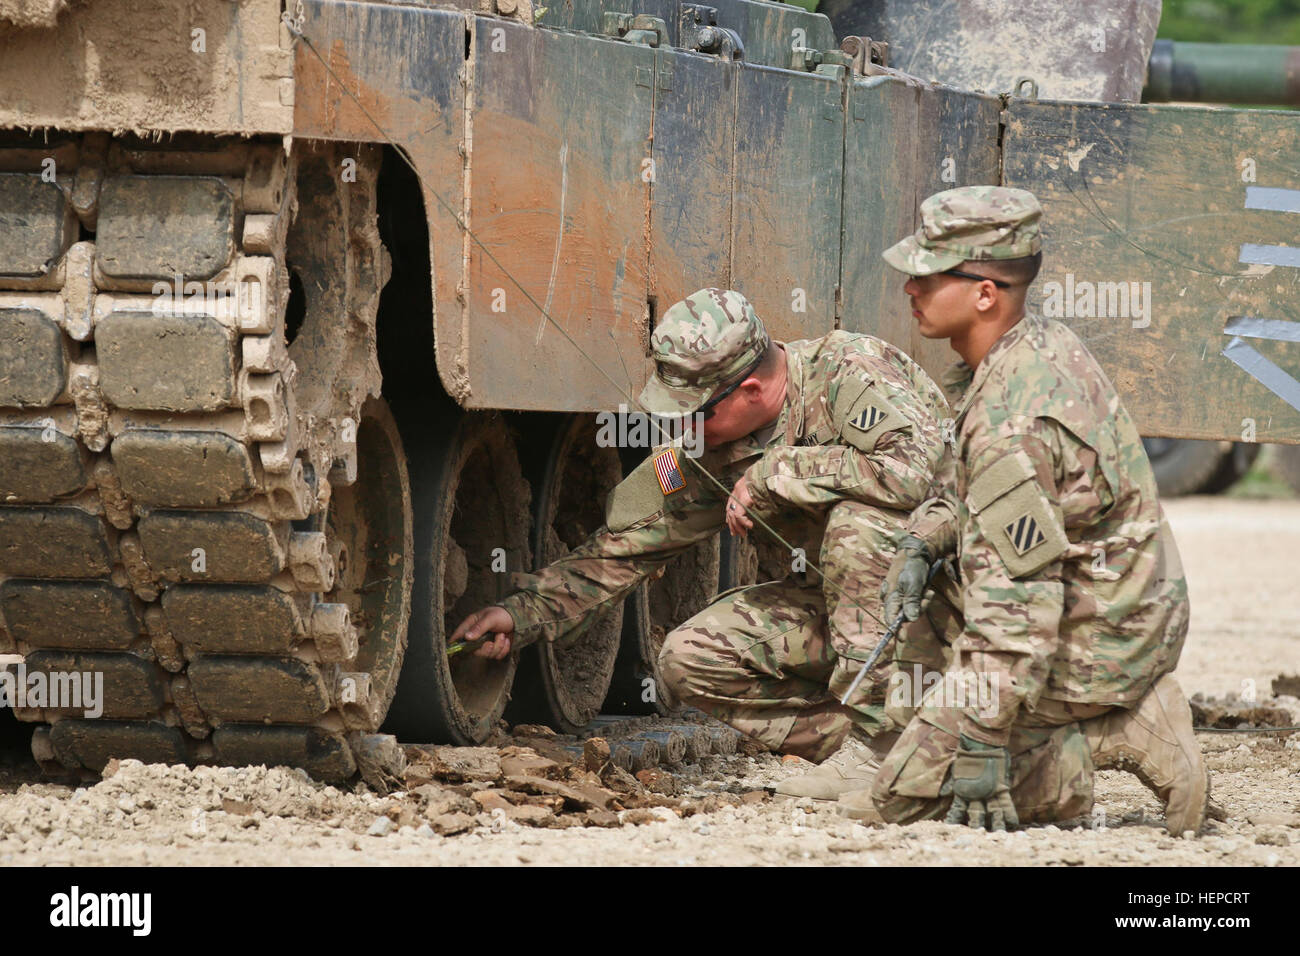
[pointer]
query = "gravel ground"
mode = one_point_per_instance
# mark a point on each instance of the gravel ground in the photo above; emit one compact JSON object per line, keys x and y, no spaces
{"x":1245,"y":632}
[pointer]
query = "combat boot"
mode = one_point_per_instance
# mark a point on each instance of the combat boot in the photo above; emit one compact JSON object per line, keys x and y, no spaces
{"x":858,"y":805}
{"x":1155,"y":742}
{"x":852,"y":767}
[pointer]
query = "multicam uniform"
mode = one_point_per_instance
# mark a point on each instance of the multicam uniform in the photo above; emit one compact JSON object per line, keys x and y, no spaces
{"x":1072,"y":589}
{"x":851,"y":454}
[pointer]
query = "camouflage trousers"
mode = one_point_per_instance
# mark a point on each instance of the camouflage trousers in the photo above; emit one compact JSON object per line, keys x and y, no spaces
{"x":773,"y":660}
{"x":1051,"y":764}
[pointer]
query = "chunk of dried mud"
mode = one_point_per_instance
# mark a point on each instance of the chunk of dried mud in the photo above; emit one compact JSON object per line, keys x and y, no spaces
{"x":657,"y":780}
{"x":576,"y":797}
{"x":600,"y":818}
{"x":526,"y":762}
{"x":620,"y":781}
{"x":455,"y":764}
{"x":448,"y":824}
{"x":531,"y":815}
{"x":595,"y":754}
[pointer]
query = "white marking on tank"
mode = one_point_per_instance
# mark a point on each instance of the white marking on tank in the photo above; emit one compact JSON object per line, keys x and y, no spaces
{"x":1270,"y":255}
{"x":1276,"y":379}
{"x":1273,"y":378}
{"x":1075,"y":156}
{"x":559,"y":238}
{"x":1250,"y":327}
{"x":1274,"y":199}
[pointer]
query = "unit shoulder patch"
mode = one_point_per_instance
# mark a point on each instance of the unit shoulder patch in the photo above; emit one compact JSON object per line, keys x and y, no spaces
{"x":867,"y":416}
{"x":1024,"y":533}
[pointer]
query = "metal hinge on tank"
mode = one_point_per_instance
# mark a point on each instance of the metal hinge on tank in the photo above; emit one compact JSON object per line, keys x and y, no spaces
{"x":869,"y":57}
{"x":639,"y":28}
{"x":857,"y":56}
{"x":699,"y":31}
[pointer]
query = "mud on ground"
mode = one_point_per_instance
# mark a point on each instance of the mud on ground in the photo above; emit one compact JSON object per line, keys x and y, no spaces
{"x":1245,"y":633}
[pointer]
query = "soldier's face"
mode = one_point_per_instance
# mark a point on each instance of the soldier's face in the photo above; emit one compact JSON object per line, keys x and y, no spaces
{"x":943,"y":306}
{"x":736,"y":416}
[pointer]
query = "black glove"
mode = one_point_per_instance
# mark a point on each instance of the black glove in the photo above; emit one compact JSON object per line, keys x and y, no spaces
{"x":980,"y":785}
{"x":904,"y":585}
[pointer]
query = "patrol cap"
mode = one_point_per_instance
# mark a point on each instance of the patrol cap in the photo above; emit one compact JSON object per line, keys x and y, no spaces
{"x":702,"y":344}
{"x":971,"y":222}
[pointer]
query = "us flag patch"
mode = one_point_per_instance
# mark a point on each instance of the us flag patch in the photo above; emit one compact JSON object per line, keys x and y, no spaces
{"x":1024,"y":533}
{"x":868,"y":418}
{"x":670,"y":475}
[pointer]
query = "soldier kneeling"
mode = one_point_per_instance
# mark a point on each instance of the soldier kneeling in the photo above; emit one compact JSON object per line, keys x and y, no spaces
{"x":1073,"y":606}
{"x":830,"y":442}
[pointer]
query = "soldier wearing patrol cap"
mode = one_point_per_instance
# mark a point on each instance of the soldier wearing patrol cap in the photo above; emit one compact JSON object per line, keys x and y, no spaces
{"x":832,"y":442}
{"x":1071,"y":589}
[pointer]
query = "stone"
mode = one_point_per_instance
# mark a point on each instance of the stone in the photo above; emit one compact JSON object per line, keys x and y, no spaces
{"x":450,"y":823}
{"x":530,"y":815}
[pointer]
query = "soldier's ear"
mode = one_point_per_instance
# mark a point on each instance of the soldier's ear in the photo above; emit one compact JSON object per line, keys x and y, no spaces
{"x":987,"y":297}
{"x":752,"y":388}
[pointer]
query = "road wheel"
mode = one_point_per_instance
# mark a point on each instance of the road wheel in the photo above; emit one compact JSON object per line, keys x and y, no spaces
{"x":564,"y":684}
{"x":471,"y":532}
{"x":1183,"y":466}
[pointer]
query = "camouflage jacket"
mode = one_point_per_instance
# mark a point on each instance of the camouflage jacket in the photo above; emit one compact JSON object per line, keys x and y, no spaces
{"x":860,"y":420}
{"x":1072,"y":584}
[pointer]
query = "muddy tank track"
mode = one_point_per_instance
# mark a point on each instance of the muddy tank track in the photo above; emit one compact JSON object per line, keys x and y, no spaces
{"x":168,"y":459}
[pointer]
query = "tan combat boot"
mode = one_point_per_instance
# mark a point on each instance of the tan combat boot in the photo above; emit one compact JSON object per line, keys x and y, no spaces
{"x":858,"y":805}
{"x":1155,"y":742}
{"x":852,"y":767}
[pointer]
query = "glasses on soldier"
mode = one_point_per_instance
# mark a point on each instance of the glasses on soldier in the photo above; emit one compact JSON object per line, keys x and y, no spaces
{"x":970,"y":275}
{"x":708,"y":409}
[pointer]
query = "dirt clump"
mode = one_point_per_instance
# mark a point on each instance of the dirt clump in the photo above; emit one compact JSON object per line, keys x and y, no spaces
{"x":1231,"y":714}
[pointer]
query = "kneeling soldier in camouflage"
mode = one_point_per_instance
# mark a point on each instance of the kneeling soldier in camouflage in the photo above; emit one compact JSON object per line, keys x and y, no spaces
{"x":1073,"y":597}
{"x":832,"y":442}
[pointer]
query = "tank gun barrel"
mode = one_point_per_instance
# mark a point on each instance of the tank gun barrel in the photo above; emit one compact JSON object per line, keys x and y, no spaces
{"x":1254,"y":74}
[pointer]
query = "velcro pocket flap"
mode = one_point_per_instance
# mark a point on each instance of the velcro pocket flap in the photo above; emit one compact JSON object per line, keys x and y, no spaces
{"x":1016,"y":516}
{"x":999,"y":478}
{"x":636,"y":499}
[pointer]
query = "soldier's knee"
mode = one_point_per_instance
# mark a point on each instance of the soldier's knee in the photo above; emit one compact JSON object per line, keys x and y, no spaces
{"x":692,"y":672}
{"x":674,"y":666}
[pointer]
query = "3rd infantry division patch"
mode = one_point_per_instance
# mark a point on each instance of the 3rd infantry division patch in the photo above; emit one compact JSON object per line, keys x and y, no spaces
{"x":1024,"y":533}
{"x":670,"y":475}
{"x":867,"y":418}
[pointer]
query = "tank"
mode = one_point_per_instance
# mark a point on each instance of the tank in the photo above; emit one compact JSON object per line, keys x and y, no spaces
{"x":304,"y":318}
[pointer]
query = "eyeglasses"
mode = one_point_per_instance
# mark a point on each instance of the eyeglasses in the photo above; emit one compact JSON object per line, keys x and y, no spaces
{"x":970,"y":275}
{"x":709,"y":408}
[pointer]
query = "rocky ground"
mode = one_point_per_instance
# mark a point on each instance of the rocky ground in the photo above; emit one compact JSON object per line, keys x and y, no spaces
{"x":526,"y":802}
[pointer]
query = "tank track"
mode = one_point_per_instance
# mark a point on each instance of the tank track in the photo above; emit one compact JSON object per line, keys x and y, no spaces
{"x":162,"y":491}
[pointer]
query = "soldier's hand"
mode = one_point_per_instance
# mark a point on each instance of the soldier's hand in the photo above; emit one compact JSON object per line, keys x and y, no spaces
{"x":740,"y":500}
{"x":495,"y":621}
{"x":904,"y":584}
{"x":980,"y":790}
